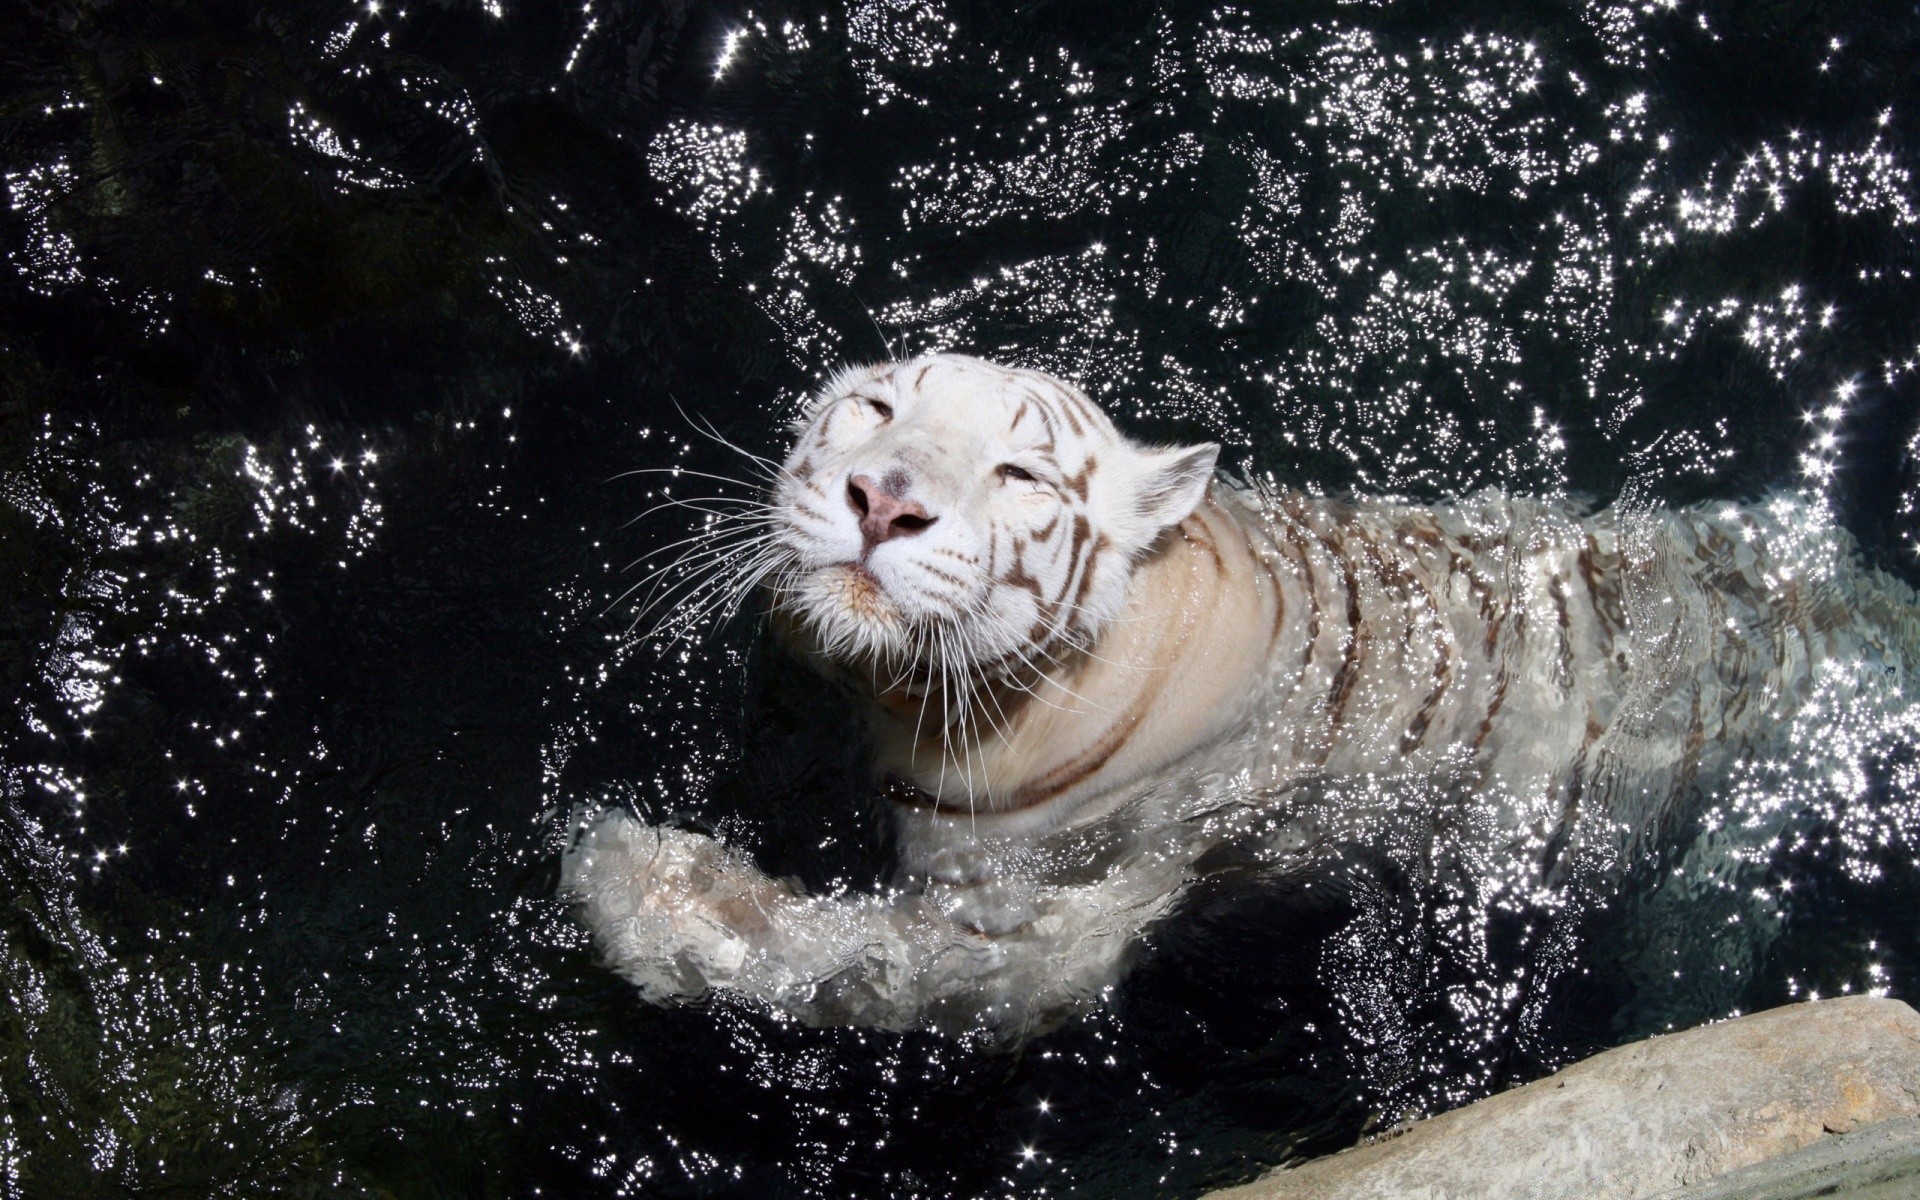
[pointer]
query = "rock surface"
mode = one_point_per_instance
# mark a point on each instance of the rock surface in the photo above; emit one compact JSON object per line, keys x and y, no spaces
{"x":1646,"y":1118}
{"x":1880,"y":1162}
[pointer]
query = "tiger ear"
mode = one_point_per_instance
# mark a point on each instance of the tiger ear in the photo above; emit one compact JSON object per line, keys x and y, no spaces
{"x":1173,"y":481}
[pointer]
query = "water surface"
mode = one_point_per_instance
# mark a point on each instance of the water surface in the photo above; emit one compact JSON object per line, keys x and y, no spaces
{"x":330,"y":329}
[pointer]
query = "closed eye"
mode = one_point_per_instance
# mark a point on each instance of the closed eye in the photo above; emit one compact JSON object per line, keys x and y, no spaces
{"x":1009,"y":471}
{"x":882,"y":407}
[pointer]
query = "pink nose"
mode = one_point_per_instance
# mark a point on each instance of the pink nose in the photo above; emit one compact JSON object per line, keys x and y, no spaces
{"x":883,"y":515}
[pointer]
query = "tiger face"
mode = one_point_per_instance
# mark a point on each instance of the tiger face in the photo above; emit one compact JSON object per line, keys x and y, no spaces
{"x":947,"y":512}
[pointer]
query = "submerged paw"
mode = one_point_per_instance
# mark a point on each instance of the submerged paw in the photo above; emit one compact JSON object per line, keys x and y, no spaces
{"x":674,"y":910}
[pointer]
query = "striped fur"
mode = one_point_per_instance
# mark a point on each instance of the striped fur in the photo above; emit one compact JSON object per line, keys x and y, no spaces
{"x":1084,"y":682}
{"x":1013,"y":569}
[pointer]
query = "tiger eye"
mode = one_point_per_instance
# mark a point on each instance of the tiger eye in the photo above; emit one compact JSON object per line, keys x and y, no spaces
{"x":1009,"y":471}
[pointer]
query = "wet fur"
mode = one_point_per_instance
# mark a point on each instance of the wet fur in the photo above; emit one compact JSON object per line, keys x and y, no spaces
{"x":1082,"y":687}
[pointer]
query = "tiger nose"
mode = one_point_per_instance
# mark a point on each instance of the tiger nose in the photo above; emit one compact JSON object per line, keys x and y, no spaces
{"x":883,"y":515}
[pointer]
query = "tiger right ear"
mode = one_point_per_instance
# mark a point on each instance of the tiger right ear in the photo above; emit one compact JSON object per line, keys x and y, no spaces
{"x":1173,"y":482}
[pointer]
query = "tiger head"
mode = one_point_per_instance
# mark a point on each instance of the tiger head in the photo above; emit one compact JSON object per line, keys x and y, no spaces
{"x":950,"y":513}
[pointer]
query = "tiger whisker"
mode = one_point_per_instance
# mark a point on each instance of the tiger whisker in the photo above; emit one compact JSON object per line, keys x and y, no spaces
{"x":712,"y":433}
{"x":696,"y":559}
{"x":685,"y":600}
{"x":705,"y":537}
{"x":957,"y":728}
{"x":701,"y":565}
{"x":1029,"y":661}
{"x":693,"y":502}
{"x":676,"y":472}
{"x":717,"y":590}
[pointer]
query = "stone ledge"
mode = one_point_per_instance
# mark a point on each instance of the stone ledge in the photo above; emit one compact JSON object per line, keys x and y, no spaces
{"x":1644,"y":1119}
{"x":1880,"y":1162}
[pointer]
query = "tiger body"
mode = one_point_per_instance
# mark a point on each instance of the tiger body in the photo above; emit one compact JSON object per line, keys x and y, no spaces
{"x":1089,"y":663}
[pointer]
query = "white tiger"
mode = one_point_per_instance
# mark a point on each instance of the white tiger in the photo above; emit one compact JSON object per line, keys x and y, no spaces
{"x":1089,"y":662}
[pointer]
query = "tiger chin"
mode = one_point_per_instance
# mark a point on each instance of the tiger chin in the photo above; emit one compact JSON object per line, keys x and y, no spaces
{"x":1089,"y":662}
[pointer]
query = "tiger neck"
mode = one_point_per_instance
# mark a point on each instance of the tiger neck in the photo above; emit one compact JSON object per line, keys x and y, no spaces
{"x":1168,"y":676}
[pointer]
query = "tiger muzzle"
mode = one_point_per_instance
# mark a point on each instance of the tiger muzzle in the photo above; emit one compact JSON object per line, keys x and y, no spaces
{"x":884,"y":514}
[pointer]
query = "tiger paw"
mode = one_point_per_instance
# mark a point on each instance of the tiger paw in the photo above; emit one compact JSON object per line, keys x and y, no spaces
{"x":674,"y":911}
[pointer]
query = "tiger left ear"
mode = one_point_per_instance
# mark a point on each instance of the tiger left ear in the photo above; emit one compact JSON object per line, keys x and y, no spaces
{"x":1173,"y":482}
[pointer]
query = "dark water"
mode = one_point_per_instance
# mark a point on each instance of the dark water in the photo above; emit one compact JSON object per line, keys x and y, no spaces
{"x":329,"y":330}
